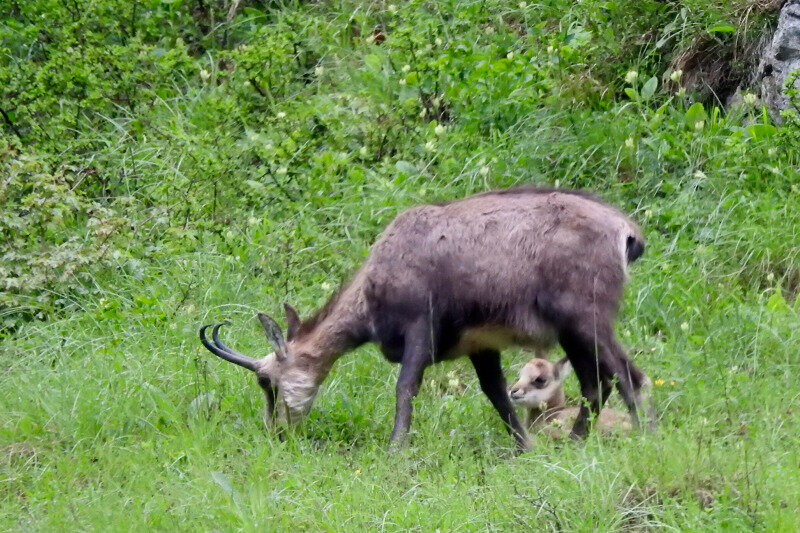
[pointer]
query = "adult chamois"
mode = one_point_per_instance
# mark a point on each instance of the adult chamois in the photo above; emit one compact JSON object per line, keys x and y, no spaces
{"x":523,"y":266}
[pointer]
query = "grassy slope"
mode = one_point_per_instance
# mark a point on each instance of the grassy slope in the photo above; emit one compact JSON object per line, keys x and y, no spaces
{"x":115,"y":418}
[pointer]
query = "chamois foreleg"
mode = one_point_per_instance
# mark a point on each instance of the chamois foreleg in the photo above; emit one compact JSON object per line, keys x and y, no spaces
{"x":493,"y":384}
{"x":416,"y":357}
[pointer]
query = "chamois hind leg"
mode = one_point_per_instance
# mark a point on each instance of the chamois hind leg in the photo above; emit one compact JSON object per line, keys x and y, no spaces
{"x":630,"y":383}
{"x":493,"y":384}
{"x":416,"y":357}
{"x":589,"y":356}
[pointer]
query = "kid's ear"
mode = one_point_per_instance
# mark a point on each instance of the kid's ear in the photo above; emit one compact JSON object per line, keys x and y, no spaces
{"x":562,"y":368}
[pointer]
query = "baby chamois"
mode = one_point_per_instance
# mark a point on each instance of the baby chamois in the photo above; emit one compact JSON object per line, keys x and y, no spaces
{"x":540,"y":391}
{"x":525,"y":266}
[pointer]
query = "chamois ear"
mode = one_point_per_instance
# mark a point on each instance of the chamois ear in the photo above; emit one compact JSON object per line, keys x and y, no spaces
{"x":274,"y":335}
{"x":562,"y":368}
{"x":292,"y":320}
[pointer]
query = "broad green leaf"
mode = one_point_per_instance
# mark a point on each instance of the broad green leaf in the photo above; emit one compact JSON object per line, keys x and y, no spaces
{"x":373,"y":61}
{"x":258,"y":186}
{"x":721,"y":28}
{"x":776,"y":302}
{"x":406,"y":167}
{"x":649,"y":88}
{"x":761,"y":131}
{"x":695,"y":114}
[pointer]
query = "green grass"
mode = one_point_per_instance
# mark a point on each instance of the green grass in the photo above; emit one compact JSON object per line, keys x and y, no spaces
{"x":118,"y":419}
{"x":144,"y":162}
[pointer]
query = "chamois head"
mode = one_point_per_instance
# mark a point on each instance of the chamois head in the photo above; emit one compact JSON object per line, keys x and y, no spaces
{"x":539,"y":383}
{"x":288,"y":378}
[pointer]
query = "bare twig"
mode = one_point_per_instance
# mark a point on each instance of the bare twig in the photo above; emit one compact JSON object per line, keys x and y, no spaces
{"x":257,"y":87}
{"x":233,"y":9}
{"x":11,"y":124}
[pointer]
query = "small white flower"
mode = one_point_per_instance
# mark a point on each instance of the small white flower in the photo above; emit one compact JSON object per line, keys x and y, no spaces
{"x":281,"y":114}
{"x":522,"y":5}
{"x":750,"y":99}
{"x":629,"y":142}
{"x":439,"y":130}
{"x":770,"y":277}
{"x":370,"y":38}
{"x":422,"y":113}
{"x":699,"y":125}
{"x":648,"y":213}
{"x":676,"y":75}
{"x":282,"y":171}
{"x":252,"y":221}
{"x":205,"y":75}
{"x":406,"y":68}
{"x":402,"y":81}
{"x":319,"y":71}
{"x":510,"y":56}
{"x":631,"y":76}
{"x":436,"y":103}
{"x":484,"y":171}
{"x":392,"y":9}
{"x":699,"y":174}
{"x":550,"y":49}
{"x":772,"y":151}
{"x":681,"y":91}
{"x":438,"y":41}
{"x":489,"y":30}
{"x":430,"y":146}
{"x":685,"y":326}
{"x":363,"y":151}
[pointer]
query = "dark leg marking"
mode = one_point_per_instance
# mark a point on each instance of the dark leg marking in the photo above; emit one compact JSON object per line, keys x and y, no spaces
{"x":493,"y":384}
{"x":416,"y":357}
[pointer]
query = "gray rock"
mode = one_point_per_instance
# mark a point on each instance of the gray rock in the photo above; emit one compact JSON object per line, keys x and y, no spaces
{"x":781,"y":57}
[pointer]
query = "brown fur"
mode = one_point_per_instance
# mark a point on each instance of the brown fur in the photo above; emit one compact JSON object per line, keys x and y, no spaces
{"x":524,"y":266}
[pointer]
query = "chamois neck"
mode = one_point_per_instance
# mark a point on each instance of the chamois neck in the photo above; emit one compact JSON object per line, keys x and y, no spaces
{"x":543,"y":413}
{"x":340,"y":326}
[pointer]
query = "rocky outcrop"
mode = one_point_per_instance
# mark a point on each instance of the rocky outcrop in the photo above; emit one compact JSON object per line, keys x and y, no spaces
{"x":781,"y":57}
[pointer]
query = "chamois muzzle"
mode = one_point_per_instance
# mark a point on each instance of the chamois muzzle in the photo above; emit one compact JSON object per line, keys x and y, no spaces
{"x":220,"y":350}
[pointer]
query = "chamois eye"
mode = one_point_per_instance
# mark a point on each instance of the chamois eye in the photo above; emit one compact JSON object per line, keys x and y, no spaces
{"x":539,"y":382}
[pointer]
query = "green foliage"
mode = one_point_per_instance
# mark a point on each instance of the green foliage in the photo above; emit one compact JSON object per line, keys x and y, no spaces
{"x":54,"y":234}
{"x":165,"y":164}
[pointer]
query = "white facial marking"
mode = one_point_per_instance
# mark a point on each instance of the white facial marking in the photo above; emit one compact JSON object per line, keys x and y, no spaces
{"x":536,"y":385}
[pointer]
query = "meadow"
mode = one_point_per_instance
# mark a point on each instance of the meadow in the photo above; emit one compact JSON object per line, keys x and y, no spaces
{"x":165,"y":164}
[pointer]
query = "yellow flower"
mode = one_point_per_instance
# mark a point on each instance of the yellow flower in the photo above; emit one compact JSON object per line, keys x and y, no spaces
{"x":671,"y":383}
{"x":658,"y":382}
{"x":358,"y":471}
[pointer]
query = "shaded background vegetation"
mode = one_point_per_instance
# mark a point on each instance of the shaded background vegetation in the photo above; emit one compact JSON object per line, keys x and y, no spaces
{"x":164,"y":163}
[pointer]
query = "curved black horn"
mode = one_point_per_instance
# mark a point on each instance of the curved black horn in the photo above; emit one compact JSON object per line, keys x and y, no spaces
{"x":223,"y":351}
